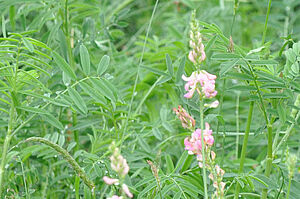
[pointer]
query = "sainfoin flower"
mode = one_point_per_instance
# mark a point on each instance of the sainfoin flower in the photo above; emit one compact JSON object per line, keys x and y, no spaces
{"x":110,"y":181}
{"x":120,"y":166}
{"x":197,"y":54}
{"x":202,"y":82}
{"x":194,"y":145}
{"x":118,"y":163}
{"x":187,"y":121}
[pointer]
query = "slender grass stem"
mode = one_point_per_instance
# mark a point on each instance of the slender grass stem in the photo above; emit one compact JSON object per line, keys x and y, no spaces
{"x":203,"y":149}
{"x":244,"y":148}
{"x":237,"y":125}
{"x":289,"y":188}
{"x":6,"y":147}
{"x":138,"y":70}
{"x":269,"y":129}
{"x":286,"y":134}
{"x":266,"y":23}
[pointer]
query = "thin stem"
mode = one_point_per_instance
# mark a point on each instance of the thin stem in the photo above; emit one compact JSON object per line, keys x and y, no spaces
{"x":76,"y":133}
{"x":6,"y":146}
{"x":237,"y":125}
{"x":203,"y":149}
{"x":289,"y":188}
{"x":266,"y":23}
{"x":269,"y":128}
{"x":244,"y":148}
{"x":286,"y":134}
{"x":138,"y":70}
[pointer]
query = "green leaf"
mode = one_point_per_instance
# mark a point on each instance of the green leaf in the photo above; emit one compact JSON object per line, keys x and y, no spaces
{"x":180,"y":70}
{"x":170,"y":165}
{"x":240,"y":76}
{"x":157,"y":133}
{"x":242,"y":88}
{"x":28,"y":45}
{"x":64,"y":66}
{"x":155,"y":71}
{"x":103,"y":64}
{"x":85,"y":59}
{"x":53,"y":121}
{"x":77,"y":99}
{"x":93,"y":93}
{"x":274,"y":95}
{"x":12,"y":14}
{"x":33,"y":110}
{"x":181,"y":160}
{"x":169,"y":64}
{"x":281,"y":112}
{"x":225,"y":56}
{"x":103,"y":89}
{"x":264,"y":62}
{"x":226,"y":66}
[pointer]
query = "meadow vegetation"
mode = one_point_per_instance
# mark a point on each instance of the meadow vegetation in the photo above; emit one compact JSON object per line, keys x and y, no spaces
{"x":150,"y":99}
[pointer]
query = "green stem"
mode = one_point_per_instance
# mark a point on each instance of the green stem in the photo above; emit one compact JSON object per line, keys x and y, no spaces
{"x":6,"y":146}
{"x":286,"y":134}
{"x":76,"y":133}
{"x":289,"y":188}
{"x":244,"y":148}
{"x":269,"y":128}
{"x":138,"y":71}
{"x":79,"y":171}
{"x":237,"y":125}
{"x":266,"y":23}
{"x":203,"y":149}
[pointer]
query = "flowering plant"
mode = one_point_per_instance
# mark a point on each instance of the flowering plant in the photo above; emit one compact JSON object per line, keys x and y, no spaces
{"x":120,"y":166}
{"x":201,"y":140}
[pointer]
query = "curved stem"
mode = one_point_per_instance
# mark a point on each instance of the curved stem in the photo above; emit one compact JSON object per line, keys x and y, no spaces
{"x":203,"y":149}
{"x":244,"y":148}
{"x":79,"y":171}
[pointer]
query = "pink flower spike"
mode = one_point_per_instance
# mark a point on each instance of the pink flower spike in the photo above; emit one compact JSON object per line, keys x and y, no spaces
{"x":110,"y":181}
{"x":126,"y":190}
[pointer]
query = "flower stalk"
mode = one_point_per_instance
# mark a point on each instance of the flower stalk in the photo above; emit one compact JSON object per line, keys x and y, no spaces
{"x":244,"y":148}
{"x":203,"y":150}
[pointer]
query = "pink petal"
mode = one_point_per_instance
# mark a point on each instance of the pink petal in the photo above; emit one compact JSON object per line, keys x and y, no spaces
{"x":126,"y":190}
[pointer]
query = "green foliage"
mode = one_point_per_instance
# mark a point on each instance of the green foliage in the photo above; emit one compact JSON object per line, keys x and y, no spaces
{"x":68,"y":70}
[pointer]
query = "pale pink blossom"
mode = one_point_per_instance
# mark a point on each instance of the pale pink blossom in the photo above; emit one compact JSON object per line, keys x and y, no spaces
{"x":126,"y":190}
{"x":119,"y":164}
{"x":197,"y":54}
{"x":194,"y":145}
{"x":201,"y":81}
{"x":110,"y":181}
